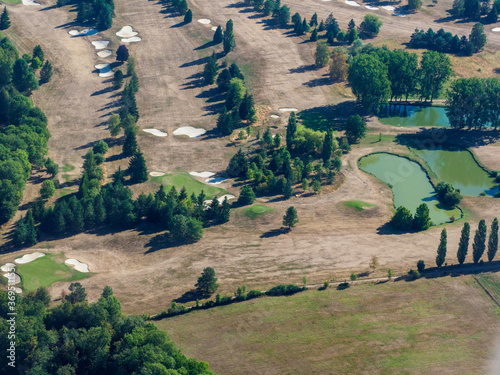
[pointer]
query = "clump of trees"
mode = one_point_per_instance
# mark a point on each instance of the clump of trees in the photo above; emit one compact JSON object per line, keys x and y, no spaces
{"x":99,"y":13}
{"x":403,"y":219}
{"x":474,"y":9}
{"x":370,"y":26}
{"x":448,"y":195}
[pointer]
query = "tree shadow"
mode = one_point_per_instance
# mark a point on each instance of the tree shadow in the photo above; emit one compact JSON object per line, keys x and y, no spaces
{"x":180,"y":24}
{"x":103,"y":91}
{"x":160,"y":242}
{"x":303,"y":69}
{"x":387,"y":229}
{"x":274,"y":232}
{"x":318,"y":82}
{"x":190,"y":296}
{"x":432,"y":138}
{"x":206,"y":45}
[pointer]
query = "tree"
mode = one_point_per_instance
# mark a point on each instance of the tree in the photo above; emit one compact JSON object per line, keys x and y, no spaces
{"x":287,"y":190}
{"x":23,"y":77}
{"x":316,"y":185}
{"x":247,"y":195}
{"x":414,"y":4}
{"x":477,"y":37}
{"x":117,"y":79}
{"x":373,"y":263}
{"x":31,"y":232}
{"x":338,"y":66}
{"x":46,"y":72}
{"x":48,"y":189}
{"x":188,"y":18}
{"x":493,"y":240}
{"x":493,"y":14}
{"x":210,"y":69}
{"x":114,"y":125}
{"x":290,"y":218}
{"x":472,"y":9}
{"x":38,"y":52}
{"x":36,"y":63}
{"x":235,"y":93}
{"x":228,"y":38}
{"x":371,"y":25}
{"x":4,"y":19}
{"x":352,"y":36}
{"x":436,"y":70}
{"x":105,"y":18}
{"x":441,"y":251}
{"x":314,"y":35}
{"x":479,"y":244}
{"x":77,"y":294}
{"x":218,"y":37}
{"x":322,"y":54}
{"x":305,"y":184}
{"x":247,"y":109}
{"x":402,"y":219}
{"x":122,"y":53}
{"x":291,"y":129}
{"x":464,"y":243}
{"x":52,"y":168}
{"x":283,"y":16}
{"x":327,"y":150}
{"x":130,"y":144}
{"x":137,"y":168}
{"x":355,"y":128}
{"x":422,"y":220}
{"x":420,"y":266}
{"x":207,"y":282}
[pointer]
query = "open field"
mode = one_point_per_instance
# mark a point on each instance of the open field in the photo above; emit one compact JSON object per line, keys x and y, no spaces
{"x":435,"y":326}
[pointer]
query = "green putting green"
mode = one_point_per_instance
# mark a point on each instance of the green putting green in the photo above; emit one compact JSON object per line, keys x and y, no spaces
{"x":192,"y":185}
{"x":358,"y":205}
{"x":255,"y":211}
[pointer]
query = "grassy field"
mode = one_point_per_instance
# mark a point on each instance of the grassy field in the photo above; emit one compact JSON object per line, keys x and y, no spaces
{"x":45,"y":271}
{"x":358,"y":205}
{"x":253,"y":212}
{"x":491,"y":281}
{"x":422,"y":327}
{"x":192,"y":185}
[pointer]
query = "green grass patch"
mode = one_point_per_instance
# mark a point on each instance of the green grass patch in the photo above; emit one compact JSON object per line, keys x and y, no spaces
{"x":12,"y":1}
{"x":68,"y":167}
{"x":377,"y":139}
{"x":192,"y":185}
{"x":253,"y":212}
{"x":47,"y":270}
{"x":358,"y":205}
{"x":491,"y":282}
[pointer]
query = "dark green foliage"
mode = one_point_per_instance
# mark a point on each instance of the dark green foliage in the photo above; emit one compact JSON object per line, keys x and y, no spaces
{"x":122,"y":53}
{"x":422,"y":220}
{"x":207,"y":282}
{"x":235,"y":93}
{"x":448,"y":195}
{"x":137,"y":168}
{"x":238,"y":164}
{"x":284,"y":290}
{"x":247,"y":108}
{"x":402,"y":219}
{"x":441,"y":251}
{"x":287,"y":189}
{"x":414,"y":4}
{"x":314,"y":36}
{"x":493,"y":240}
{"x":228,"y":37}
{"x":291,"y":218}
{"x":355,"y":128}
{"x":225,"y":122}
{"x":283,"y":16}
{"x":210,"y":69}
{"x":370,"y":26}
{"x":188,"y":18}
{"x":421,"y":265}
{"x":479,"y":244}
{"x":130,"y":144}
{"x":436,"y":70}
{"x":4,"y":19}
{"x":477,"y":37}
{"x":463,"y":246}
{"x":291,"y":130}
{"x":247,"y":195}
{"x":38,"y":52}
{"x":314,"y":20}
{"x":46,"y":72}
{"x":186,"y":229}
{"x":493,"y":14}
{"x":52,"y":168}
{"x":96,"y":12}
{"x":23,"y":77}
{"x":472,"y":9}
{"x":322,"y":55}
{"x":440,"y":42}
{"x":332,"y":27}
{"x":218,"y":37}
{"x":118,"y":80}
{"x":48,"y":189}
{"x":100,"y":147}
{"x":77,"y":294}
{"x":91,"y":168}
{"x":105,"y":18}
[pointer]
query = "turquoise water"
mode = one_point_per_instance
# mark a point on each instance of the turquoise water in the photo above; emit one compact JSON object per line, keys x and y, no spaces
{"x":412,"y":115}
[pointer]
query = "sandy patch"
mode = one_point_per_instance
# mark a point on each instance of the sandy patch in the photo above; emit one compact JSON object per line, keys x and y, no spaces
{"x":496,"y":29}
{"x":275,"y":116}
{"x":101,"y":44}
{"x":202,"y":174}
{"x":17,"y":278}
{"x":216,"y":180}
{"x":83,"y":32}
{"x":156,"y":132}
{"x":29,"y":2}
{"x":288,"y":109}
{"x":29,"y":258}
{"x":399,"y":15}
{"x":213,"y":28}
{"x":370,"y":7}
{"x":132,"y":40}
{"x":389,"y":8}
{"x":79,"y":266}
{"x":352,"y":3}
{"x":126,"y":32}
{"x":156,"y":174}
{"x":205,"y":21}
{"x":105,"y":53}
{"x":104,"y":70}
{"x":220,"y":199}
{"x":190,"y":131}
{"x":7,"y":267}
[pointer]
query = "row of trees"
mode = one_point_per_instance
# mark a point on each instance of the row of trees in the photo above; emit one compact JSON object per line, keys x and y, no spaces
{"x":474,"y":9}
{"x":478,"y":246}
{"x":98,"y":12}
{"x":445,"y":42}
{"x":79,"y":337}
{"x":474,"y":103}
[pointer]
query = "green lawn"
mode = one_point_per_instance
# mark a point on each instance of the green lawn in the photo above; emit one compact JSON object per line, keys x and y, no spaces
{"x":12,"y":1}
{"x":358,"y":205}
{"x":491,"y":282}
{"x":253,"y":212}
{"x":192,"y":185}
{"x":47,"y":270}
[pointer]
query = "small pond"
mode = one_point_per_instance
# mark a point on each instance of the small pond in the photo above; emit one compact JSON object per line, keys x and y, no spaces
{"x":412,"y":115}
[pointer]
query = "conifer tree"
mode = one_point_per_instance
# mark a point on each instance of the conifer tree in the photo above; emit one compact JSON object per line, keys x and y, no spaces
{"x":38,"y":52}
{"x":224,"y":212}
{"x":20,"y":232}
{"x":463,"y":246}
{"x":290,"y":218}
{"x":46,"y":72}
{"x":479,"y":244}
{"x":493,"y":240}
{"x":188,"y":18}
{"x":218,"y":37}
{"x":31,"y":232}
{"x":290,"y":131}
{"x":130,"y":144}
{"x":228,"y":38}
{"x":314,"y":35}
{"x":4,"y":19}
{"x":210,"y":69}
{"x":327,"y":150}
{"x":137,"y":168}
{"x":441,"y":252}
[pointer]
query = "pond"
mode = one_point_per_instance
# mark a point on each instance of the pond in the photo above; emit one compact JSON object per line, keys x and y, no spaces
{"x":409,"y":183}
{"x":412,"y":115}
{"x":458,"y":167}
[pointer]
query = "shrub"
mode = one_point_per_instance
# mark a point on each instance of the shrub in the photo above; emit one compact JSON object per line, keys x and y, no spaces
{"x":420,"y":265}
{"x":343,"y":285}
{"x":414,"y":274}
{"x":254,"y":294}
{"x":284,"y":290}
{"x":353,"y":276}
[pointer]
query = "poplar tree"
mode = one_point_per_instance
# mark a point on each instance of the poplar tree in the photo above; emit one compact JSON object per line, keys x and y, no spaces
{"x":228,"y":38}
{"x":463,"y":246}
{"x":291,"y":130}
{"x":441,"y":251}
{"x":493,"y":240}
{"x":479,"y":244}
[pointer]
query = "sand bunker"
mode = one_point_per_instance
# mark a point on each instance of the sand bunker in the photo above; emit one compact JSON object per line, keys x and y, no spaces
{"x":399,"y":14}
{"x":496,"y":29}
{"x":190,"y":131}
{"x":101,"y":44}
{"x":275,"y":116}
{"x":7,"y":267}
{"x":83,"y":32}
{"x":288,"y":109}
{"x":352,"y":3}
{"x":213,"y":28}
{"x":29,"y":258}
{"x":205,"y":21}
{"x":79,"y":266}
{"x":105,"y":53}
{"x":220,"y":199}
{"x":156,"y":132}
{"x":370,"y":7}
{"x":17,"y":278}
{"x":29,"y":2}
{"x":132,"y":40}
{"x":105,"y":70}
{"x":216,"y":180}
{"x":389,"y":8}
{"x":126,"y":32}
{"x":157,"y":174}
{"x":202,"y":174}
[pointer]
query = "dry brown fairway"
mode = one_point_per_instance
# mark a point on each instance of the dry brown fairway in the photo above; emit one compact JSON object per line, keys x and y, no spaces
{"x":439,"y":326}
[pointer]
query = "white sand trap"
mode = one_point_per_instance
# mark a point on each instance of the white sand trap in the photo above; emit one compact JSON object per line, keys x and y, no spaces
{"x":370,"y":7}
{"x":29,"y":258}
{"x":496,"y":29}
{"x":101,"y":44}
{"x":105,"y":53}
{"x":352,"y":3}
{"x":29,"y":2}
{"x":156,"y":174}
{"x":389,"y":8}
{"x":83,"y":32}
{"x":190,"y":131}
{"x":326,"y":0}
{"x":202,"y":174}
{"x":220,"y":199}
{"x":205,"y":21}
{"x":399,"y":14}
{"x":7,"y":267}
{"x":79,"y":266}
{"x":213,"y":28}
{"x":17,"y":278}
{"x":216,"y":180}
{"x":288,"y":109}
{"x":156,"y":132}
{"x":105,"y":70}
{"x":275,"y":116}
{"x":132,"y":40}
{"x":126,"y":32}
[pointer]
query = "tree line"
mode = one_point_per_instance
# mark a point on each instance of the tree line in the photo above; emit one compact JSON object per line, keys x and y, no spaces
{"x":474,"y":9}
{"x":80,"y":337}
{"x":96,"y":12}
